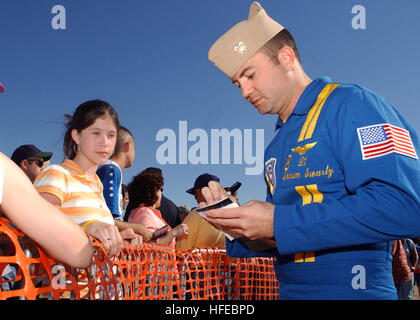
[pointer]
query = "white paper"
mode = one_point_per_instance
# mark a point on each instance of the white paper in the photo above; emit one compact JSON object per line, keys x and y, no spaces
{"x":225,"y":203}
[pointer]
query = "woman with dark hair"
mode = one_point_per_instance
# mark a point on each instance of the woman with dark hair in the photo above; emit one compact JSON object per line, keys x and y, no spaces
{"x":73,"y":185}
{"x":145,"y":193}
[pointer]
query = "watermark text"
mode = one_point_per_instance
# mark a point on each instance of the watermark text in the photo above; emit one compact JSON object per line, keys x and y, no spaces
{"x":221,"y":146}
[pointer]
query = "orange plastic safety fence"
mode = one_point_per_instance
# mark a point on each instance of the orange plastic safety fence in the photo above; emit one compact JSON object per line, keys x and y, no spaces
{"x":149,"y":272}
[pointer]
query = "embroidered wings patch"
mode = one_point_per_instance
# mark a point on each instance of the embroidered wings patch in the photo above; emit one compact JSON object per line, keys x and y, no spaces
{"x":382,"y":139}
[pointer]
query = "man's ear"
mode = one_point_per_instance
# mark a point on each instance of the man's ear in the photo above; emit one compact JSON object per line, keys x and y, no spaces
{"x":127,"y":145}
{"x":24,"y":164}
{"x":286,"y":57}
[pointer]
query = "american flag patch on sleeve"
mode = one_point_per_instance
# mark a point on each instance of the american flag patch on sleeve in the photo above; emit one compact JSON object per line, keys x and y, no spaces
{"x":382,"y":139}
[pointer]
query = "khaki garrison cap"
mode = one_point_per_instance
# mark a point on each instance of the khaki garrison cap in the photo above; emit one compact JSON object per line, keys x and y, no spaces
{"x":230,"y":52}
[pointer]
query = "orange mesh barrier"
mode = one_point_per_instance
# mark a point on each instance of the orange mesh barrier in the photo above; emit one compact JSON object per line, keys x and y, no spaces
{"x":150,"y":272}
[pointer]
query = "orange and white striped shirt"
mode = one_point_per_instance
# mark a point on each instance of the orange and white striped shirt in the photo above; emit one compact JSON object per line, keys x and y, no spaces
{"x":80,"y":197}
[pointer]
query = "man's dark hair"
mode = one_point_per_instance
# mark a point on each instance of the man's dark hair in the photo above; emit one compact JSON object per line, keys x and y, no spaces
{"x":123,"y":132}
{"x":281,"y":39}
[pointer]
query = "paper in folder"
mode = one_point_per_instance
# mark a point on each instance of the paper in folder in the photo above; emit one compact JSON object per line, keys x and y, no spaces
{"x":225,"y":203}
{"x":253,"y":245}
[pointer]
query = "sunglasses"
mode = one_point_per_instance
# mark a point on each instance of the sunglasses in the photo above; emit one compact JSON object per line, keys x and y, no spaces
{"x":38,"y":162}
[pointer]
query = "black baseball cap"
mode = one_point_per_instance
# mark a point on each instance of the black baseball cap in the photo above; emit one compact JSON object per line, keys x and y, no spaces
{"x":28,"y":151}
{"x":202,"y":181}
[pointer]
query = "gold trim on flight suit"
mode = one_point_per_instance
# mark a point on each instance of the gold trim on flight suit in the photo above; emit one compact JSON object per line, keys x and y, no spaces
{"x":306,"y":196}
{"x":313,"y":115}
{"x":310,"y":193}
{"x":318,"y":196}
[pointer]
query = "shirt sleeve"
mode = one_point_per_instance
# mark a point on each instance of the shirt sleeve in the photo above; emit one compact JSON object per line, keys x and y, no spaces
{"x":381,"y":198}
{"x":110,"y":176}
{"x":237,"y":248}
{"x":52,"y":181}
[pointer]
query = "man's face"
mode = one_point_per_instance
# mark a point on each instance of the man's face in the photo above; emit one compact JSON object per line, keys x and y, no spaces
{"x":32,"y":167}
{"x":265,"y":84}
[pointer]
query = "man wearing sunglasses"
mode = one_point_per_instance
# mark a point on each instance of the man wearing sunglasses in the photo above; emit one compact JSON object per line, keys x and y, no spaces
{"x":30,"y":159}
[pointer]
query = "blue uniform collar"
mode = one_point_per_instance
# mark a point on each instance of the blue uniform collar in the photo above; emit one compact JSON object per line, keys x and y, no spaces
{"x":307,"y":98}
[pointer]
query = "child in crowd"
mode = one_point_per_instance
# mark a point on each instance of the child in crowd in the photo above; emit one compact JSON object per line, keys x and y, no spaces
{"x":110,"y":174}
{"x":73,"y":185}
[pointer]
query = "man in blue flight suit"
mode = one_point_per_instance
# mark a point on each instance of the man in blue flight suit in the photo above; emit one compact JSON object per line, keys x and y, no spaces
{"x":342,"y":172}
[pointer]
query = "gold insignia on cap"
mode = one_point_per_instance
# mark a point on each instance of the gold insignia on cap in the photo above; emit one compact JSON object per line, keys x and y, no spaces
{"x":240,"y":48}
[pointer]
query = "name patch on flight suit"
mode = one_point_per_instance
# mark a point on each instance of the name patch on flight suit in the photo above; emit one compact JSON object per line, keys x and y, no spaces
{"x":304,"y":172}
{"x":287,"y":175}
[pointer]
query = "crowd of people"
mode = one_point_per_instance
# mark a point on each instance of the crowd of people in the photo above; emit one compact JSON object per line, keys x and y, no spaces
{"x":87,"y":186}
{"x":86,"y":189}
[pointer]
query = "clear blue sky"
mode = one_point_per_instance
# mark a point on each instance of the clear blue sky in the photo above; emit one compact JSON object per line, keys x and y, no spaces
{"x":149,"y":60}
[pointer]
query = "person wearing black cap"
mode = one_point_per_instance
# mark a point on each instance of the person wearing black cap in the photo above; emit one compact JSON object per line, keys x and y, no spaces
{"x":30,"y":159}
{"x":201,"y":182}
{"x":201,"y":234}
